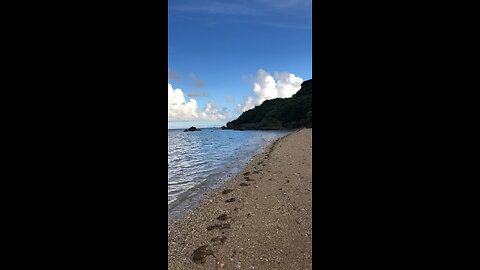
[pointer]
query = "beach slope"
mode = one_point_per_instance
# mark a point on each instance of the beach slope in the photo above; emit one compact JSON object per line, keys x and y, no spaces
{"x":260,"y":219}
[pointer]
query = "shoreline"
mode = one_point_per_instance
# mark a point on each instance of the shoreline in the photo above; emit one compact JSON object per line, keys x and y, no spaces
{"x":181,"y":210}
{"x":258,"y":219}
{"x":267,"y":149}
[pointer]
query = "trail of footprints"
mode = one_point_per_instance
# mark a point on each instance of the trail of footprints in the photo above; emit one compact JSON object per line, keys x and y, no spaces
{"x":199,"y":255}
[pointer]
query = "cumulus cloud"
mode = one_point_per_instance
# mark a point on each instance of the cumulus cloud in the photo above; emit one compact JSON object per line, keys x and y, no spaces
{"x":287,"y":84}
{"x":179,"y":109}
{"x":196,"y":81}
{"x":249,"y":103}
{"x":266,"y":86}
{"x":212,"y":112}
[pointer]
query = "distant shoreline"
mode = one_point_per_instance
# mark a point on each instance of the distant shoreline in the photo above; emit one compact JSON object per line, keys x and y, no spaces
{"x":259,"y":218}
{"x":199,"y":127}
{"x":280,"y":129}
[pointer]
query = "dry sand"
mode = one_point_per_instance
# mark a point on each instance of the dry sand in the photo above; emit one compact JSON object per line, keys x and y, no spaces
{"x":260,"y":219}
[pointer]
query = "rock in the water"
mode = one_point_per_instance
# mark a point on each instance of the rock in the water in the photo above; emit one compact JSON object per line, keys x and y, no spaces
{"x":191,"y":129}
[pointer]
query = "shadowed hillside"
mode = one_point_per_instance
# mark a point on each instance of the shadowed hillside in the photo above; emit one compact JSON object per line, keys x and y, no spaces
{"x":279,"y":113}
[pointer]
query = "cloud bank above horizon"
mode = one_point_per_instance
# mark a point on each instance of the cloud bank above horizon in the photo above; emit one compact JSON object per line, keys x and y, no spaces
{"x":264,"y":86}
{"x":180,"y":110}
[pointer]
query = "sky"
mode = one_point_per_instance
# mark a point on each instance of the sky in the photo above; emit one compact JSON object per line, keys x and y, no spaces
{"x":227,"y":56}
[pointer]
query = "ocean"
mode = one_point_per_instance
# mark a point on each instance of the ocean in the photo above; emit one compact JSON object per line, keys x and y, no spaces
{"x":200,"y":161}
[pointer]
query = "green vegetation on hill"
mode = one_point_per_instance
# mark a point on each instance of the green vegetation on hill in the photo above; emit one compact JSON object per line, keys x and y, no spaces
{"x":279,"y":113}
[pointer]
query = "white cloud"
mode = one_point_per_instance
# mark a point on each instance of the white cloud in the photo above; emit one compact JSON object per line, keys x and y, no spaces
{"x":181,"y":110}
{"x":287,"y":84}
{"x":212,"y":112}
{"x":178,"y":108}
{"x":266,"y":86}
{"x":249,"y":103}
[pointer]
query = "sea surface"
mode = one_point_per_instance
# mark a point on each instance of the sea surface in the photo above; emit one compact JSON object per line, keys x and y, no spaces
{"x":200,"y":161}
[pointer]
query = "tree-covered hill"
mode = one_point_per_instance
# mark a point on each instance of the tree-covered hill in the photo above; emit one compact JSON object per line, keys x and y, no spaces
{"x":279,"y":113}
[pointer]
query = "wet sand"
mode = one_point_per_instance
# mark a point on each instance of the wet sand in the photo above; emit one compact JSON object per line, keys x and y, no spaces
{"x":260,"y":219}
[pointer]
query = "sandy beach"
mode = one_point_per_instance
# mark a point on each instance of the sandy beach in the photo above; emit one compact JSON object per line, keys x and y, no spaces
{"x":260,"y":219}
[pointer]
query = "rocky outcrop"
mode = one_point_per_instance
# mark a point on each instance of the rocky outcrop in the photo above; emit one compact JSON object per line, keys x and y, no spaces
{"x":192,"y":129}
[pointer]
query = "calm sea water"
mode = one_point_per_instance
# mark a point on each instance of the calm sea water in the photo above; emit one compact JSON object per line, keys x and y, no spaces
{"x":202,"y":160}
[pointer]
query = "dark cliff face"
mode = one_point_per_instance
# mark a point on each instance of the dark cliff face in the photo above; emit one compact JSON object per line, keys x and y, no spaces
{"x":279,"y":113}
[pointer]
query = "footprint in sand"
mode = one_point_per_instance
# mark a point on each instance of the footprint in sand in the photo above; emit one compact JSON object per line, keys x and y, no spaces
{"x":247,"y":173}
{"x":244,"y":184}
{"x":226,"y":191}
{"x":249,"y":179}
{"x":199,"y":255}
{"x":223,"y":217}
{"x":230,"y":200}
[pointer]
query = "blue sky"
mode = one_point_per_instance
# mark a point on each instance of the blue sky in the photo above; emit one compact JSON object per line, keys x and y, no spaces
{"x":226,"y":56}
